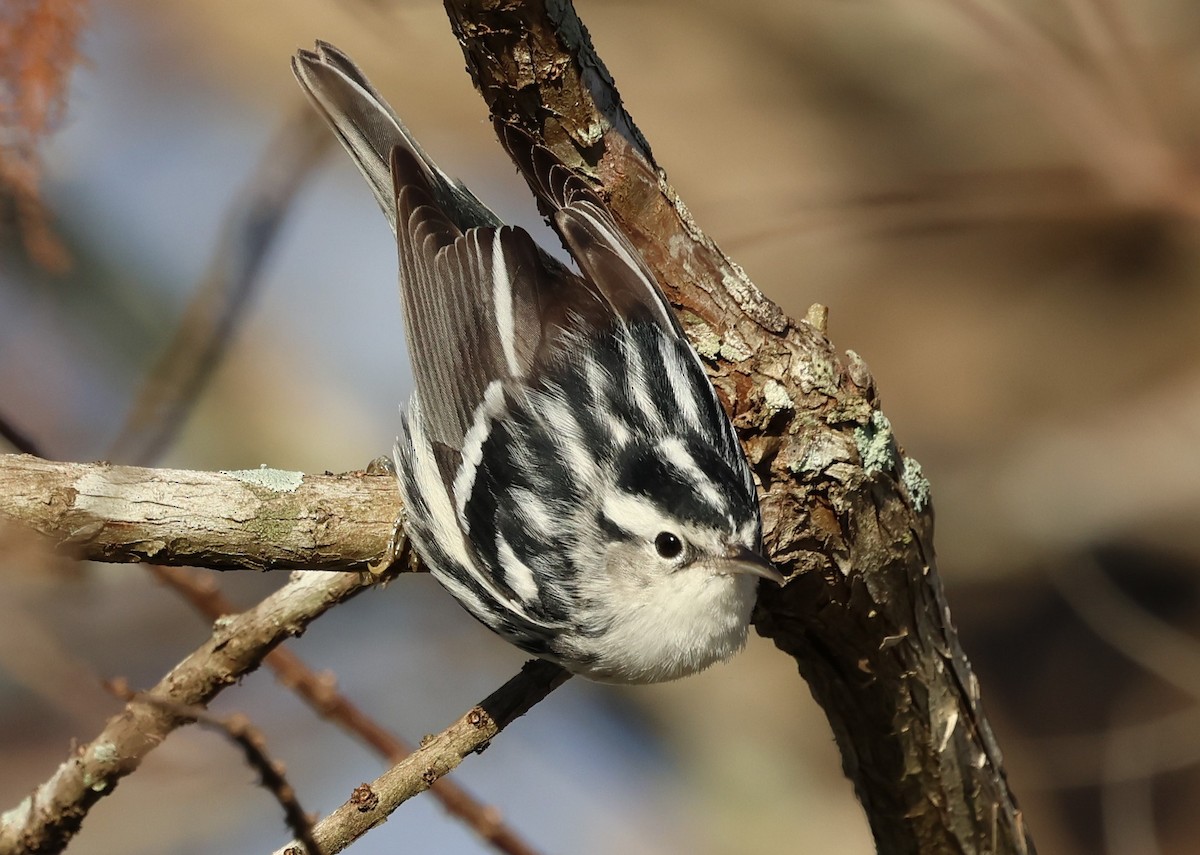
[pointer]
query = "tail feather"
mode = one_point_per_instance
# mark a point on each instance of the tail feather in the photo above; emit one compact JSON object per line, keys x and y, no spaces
{"x":369,"y":129}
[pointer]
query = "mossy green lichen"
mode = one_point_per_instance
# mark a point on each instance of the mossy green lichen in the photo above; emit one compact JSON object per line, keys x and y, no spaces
{"x":876,"y":444}
{"x":275,"y":480}
{"x":703,"y":337}
{"x":709,"y":344}
{"x":776,"y":398}
{"x":734,"y":347}
{"x":920,"y":492}
{"x":817,"y":375}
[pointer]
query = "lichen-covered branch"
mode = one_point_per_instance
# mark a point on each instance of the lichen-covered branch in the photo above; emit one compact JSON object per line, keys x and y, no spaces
{"x":847,"y":513}
{"x":259,"y":519}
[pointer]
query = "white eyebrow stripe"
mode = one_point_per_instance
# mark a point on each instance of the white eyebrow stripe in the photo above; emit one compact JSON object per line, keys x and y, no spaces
{"x":634,"y":514}
{"x":676,"y":453}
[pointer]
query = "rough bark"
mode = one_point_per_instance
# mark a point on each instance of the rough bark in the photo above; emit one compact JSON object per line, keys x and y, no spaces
{"x":259,"y":519}
{"x":847,"y":514}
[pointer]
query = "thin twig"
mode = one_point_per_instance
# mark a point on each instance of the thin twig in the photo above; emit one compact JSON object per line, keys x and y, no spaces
{"x":1155,"y":645}
{"x":1165,"y":743}
{"x":1127,"y":802}
{"x":1105,"y":35}
{"x":172,"y":387}
{"x":371,"y":804}
{"x":241,"y":731}
{"x":1066,"y":95}
{"x":322,"y":695}
{"x":51,"y":815}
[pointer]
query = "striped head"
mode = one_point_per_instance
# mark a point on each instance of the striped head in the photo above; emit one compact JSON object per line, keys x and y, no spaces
{"x":608,"y":507}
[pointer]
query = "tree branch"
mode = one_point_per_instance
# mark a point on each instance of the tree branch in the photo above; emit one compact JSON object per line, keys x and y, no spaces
{"x":259,"y":519}
{"x":250,"y":230}
{"x":847,"y":514}
{"x":241,"y":731}
{"x":320,"y":692}
{"x":47,"y":819}
{"x":371,"y":804}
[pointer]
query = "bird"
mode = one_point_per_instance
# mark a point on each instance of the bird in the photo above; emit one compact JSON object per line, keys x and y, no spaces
{"x":568,"y":472}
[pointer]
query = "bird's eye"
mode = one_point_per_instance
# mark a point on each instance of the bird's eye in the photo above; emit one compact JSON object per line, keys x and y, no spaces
{"x":668,"y":545}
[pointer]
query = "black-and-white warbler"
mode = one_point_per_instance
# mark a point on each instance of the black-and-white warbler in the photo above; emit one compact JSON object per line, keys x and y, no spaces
{"x":568,"y":472}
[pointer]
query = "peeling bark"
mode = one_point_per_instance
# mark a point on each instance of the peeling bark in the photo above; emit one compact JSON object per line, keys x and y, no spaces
{"x":258,"y":519}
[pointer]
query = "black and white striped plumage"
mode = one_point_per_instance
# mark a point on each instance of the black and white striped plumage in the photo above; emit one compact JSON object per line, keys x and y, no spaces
{"x":568,"y":472}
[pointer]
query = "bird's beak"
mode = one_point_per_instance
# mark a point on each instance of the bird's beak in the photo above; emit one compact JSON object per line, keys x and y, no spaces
{"x":739,"y":559}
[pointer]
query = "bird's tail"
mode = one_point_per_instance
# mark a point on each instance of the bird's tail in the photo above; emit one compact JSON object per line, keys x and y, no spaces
{"x":369,"y":129}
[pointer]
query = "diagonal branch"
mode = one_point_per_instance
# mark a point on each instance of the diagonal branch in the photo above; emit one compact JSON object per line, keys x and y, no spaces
{"x":47,"y":819}
{"x":847,"y":513}
{"x":321,"y":693}
{"x":371,"y":804}
{"x":194,"y":515}
{"x":250,"y":230}
{"x":241,"y":731}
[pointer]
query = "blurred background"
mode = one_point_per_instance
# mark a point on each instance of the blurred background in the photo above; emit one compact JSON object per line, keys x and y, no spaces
{"x":998,"y":201}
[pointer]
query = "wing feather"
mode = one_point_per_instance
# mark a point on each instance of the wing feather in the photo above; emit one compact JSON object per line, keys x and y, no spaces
{"x":606,"y":257}
{"x":480,"y":306}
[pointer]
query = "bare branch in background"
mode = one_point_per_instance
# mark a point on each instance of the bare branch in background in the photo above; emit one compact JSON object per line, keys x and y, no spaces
{"x":1155,"y":645}
{"x":1110,"y":37}
{"x":371,"y":804}
{"x":48,"y":818}
{"x":1114,"y":132}
{"x":207,"y":326}
{"x":250,"y":739}
{"x":320,"y":692}
{"x":1165,"y":743}
{"x":1127,"y":801}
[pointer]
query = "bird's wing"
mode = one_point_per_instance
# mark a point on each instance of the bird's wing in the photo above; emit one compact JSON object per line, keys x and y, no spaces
{"x":480,"y":305}
{"x":605,"y":256}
